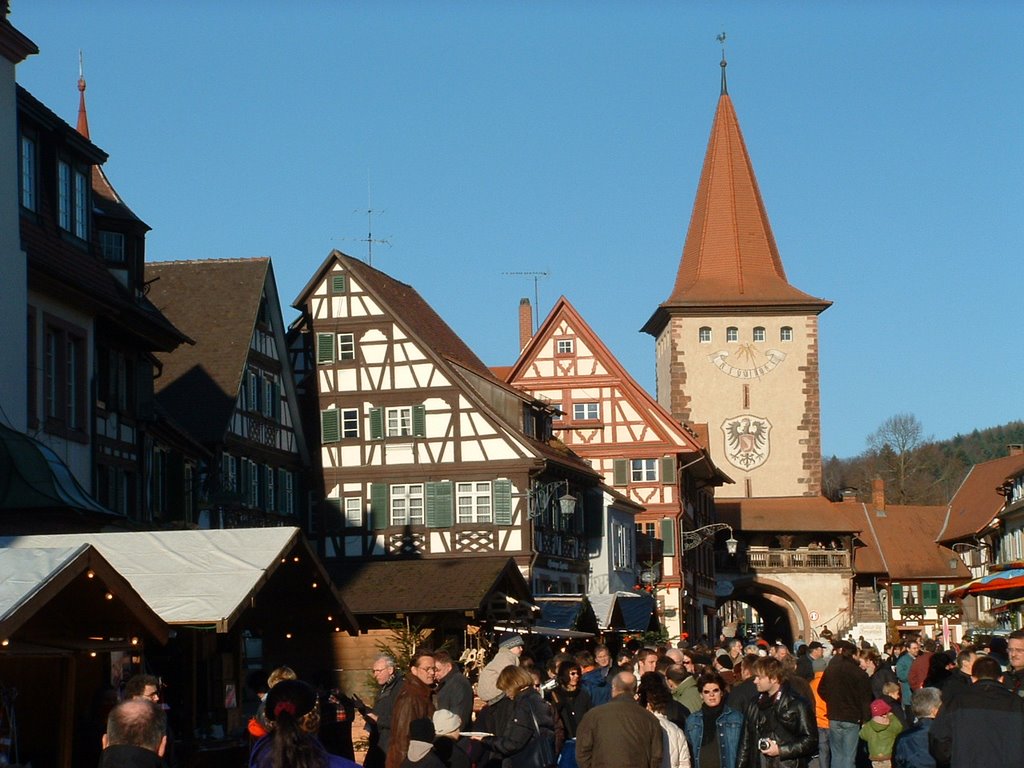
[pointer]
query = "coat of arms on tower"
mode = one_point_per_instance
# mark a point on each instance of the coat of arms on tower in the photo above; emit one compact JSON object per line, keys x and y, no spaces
{"x":746,"y":440}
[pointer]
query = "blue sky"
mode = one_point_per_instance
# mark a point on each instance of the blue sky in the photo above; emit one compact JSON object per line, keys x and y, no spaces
{"x":567,"y":137}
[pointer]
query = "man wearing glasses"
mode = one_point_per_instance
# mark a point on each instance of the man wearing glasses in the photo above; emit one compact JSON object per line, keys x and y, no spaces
{"x":415,"y":701}
{"x":378,"y":720}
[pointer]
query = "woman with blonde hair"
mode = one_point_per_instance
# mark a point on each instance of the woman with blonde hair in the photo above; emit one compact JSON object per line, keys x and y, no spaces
{"x":527,"y":738}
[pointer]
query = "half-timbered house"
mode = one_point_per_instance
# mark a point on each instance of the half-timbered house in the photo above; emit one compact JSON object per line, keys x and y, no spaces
{"x":424,"y":453}
{"x":641,"y":451}
{"x":233,"y":390}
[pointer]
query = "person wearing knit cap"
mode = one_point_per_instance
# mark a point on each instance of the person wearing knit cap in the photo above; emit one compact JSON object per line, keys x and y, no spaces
{"x":453,"y":751}
{"x":421,"y":745}
{"x":510,"y":648}
{"x":880,"y":733}
{"x":293,"y":717}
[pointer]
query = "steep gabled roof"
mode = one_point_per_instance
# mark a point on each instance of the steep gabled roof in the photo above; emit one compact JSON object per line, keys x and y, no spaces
{"x":416,"y":313}
{"x":898,"y":543}
{"x":660,"y":420}
{"x":107,"y":202}
{"x":216,"y":302}
{"x":730,"y":258}
{"x":975,"y":504}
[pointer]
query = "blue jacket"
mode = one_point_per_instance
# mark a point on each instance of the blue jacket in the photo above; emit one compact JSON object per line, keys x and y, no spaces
{"x":912,"y":747}
{"x":596,"y":683}
{"x":730,"y":731}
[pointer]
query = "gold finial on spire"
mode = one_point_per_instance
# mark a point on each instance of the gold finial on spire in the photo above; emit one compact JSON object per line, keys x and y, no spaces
{"x":721,"y":39}
{"x":83,"y":118}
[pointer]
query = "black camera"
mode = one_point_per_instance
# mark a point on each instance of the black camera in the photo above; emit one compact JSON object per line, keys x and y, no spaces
{"x":763,"y":744}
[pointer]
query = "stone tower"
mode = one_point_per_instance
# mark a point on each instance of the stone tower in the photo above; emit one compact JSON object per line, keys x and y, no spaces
{"x":737,"y":345}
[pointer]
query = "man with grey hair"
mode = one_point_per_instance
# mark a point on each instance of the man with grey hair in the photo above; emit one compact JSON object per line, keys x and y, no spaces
{"x":136,"y":735}
{"x":621,"y":733}
{"x":912,"y":746}
{"x":378,"y":719}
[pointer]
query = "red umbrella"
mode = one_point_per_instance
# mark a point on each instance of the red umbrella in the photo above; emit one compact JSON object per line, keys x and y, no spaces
{"x":1005,"y":582}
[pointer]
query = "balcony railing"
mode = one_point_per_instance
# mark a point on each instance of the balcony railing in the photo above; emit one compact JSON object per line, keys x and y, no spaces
{"x":761,"y":559}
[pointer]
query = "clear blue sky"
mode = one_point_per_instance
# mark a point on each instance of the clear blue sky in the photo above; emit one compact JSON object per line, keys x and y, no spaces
{"x":567,"y":137}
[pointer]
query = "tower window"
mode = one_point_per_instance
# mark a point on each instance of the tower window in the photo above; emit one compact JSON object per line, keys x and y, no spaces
{"x":759,"y":333}
{"x":704,"y":335}
{"x":786,"y":333}
{"x":732,"y":333}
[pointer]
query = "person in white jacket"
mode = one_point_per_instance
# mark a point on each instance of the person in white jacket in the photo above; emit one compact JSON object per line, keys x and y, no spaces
{"x":676,"y":751}
{"x":510,"y":648}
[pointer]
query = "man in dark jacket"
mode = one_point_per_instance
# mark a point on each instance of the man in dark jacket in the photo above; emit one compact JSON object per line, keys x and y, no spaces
{"x":982,"y":725}
{"x":779,"y":723}
{"x":621,"y":733}
{"x":136,"y":735}
{"x":454,"y":691}
{"x":912,"y":745}
{"x":378,"y":720}
{"x":846,"y":690}
{"x":961,"y":676}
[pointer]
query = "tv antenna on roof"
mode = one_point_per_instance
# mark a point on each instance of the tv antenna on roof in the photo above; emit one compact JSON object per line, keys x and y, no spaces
{"x":369,"y":239}
{"x":536,"y":292}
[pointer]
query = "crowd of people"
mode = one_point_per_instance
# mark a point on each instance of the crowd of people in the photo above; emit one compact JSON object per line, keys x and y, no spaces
{"x":826,"y":704}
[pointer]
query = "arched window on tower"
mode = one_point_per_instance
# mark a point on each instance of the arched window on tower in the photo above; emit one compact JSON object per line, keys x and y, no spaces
{"x":732,"y":333}
{"x":704,"y":335}
{"x":786,"y":333}
{"x":759,"y":333}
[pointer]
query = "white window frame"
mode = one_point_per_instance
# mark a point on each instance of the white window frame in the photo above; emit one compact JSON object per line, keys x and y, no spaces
{"x":349,"y":422}
{"x":643,"y":470}
{"x":407,"y":504}
{"x":398,"y":421}
{"x":732,"y":333}
{"x":29,"y":197}
{"x":352,"y":511}
{"x":785,"y":333}
{"x":64,"y":195}
{"x":590,"y":411}
{"x":346,"y":346}
{"x":564,"y":346}
{"x":704,"y":335}
{"x":473,"y":502}
{"x":759,"y":334}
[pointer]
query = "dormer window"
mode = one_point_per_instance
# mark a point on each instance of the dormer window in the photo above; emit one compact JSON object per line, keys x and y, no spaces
{"x":28,"y":173}
{"x":72,"y":200}
{"x":112,"y":246}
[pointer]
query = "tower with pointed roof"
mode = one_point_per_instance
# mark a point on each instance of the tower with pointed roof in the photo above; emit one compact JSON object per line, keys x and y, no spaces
{"x":737,"y":344}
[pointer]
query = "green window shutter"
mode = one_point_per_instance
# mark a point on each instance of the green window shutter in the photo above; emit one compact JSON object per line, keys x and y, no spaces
{"x":440,"y":512}
{"x":378,"y":515}
{"x":930,"y":594}
{"x":897,"y":594}
{"x":620,"y":472}
{"x":376,"y":423}
{"x":281,"y":480}
{"x":668,"y":537}
{"x":330,"y":425}
{"x":246,"y":480}
{"x":339,"y":283}
{"x":668,"y":470}
{"x":503,"y":502}
{"x":419,"y":421}
{"x":324,"y":348}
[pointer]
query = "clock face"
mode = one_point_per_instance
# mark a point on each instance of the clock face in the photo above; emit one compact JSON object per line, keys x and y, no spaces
{"x":747,"y":362}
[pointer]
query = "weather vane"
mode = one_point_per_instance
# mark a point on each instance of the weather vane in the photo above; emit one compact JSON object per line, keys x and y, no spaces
{"x":721,"y":39}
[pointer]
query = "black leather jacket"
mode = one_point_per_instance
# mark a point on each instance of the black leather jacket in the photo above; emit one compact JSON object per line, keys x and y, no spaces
{"x":786,"y":717}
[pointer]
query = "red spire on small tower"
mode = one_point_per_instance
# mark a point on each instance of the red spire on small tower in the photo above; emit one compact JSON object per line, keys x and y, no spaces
{"x":83,"y":118}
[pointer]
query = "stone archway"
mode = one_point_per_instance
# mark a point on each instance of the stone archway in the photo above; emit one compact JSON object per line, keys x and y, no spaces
{"x":784,"y":613}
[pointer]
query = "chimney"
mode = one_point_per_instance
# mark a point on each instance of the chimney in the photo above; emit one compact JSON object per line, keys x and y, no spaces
{"x":878,"y":495}
{"x":1015,"y":449}
{"x":525,"y":323}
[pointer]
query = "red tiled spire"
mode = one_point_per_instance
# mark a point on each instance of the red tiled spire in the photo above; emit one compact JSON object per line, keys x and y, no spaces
{"x":83,"y":118}
{"x":730,"y":257}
